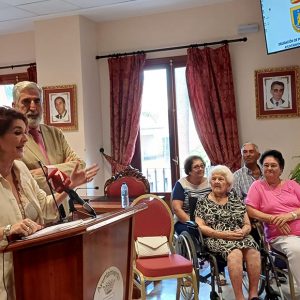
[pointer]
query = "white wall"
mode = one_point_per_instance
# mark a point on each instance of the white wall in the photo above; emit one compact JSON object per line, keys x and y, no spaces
{"x":206,"y":24}
{"x":16,"y":49}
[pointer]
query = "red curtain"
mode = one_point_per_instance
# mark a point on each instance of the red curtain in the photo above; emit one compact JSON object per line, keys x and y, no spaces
{"x":126,"y":83}
{"x":211,"y":92}
{"x":32,"y":75}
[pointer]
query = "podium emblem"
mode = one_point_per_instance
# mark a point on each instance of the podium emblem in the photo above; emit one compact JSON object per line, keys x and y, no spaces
{"x":110,"y":285}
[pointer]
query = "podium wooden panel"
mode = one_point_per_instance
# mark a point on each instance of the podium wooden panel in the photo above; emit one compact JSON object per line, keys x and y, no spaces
{"x":69,"y":264}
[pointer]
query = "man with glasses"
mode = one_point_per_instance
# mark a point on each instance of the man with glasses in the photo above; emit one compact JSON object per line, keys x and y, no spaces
{"x":45,"y":144}
{"x":276,"y":101}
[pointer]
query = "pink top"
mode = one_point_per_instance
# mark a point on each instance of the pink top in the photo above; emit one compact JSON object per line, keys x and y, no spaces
{"x":283,"y":199}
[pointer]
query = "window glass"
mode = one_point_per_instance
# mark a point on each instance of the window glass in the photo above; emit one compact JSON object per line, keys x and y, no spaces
{"x":6,"y":94}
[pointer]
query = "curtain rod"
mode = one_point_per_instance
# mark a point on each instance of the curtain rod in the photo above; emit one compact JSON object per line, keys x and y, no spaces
{"x":244,"y":39}
{"x":18,"y":66}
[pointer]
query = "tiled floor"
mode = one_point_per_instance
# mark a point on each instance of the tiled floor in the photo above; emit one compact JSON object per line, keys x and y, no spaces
{"x":166,"y":290}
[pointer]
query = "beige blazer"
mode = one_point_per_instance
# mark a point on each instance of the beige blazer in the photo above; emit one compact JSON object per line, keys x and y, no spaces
{"x":59,"y":153}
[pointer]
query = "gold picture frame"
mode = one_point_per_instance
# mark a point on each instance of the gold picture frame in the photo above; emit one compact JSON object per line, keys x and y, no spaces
{"x":60,"y":106}
{"x":277,"y":92}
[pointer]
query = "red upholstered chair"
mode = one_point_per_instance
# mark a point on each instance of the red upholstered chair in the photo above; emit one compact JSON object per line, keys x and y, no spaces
{"x":137,"y":183}
{"x":157,"y":220}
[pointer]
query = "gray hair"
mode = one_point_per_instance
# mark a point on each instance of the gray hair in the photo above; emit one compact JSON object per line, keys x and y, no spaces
{"x":250,"y":143}
{"x":25,"y":85}
{"x":224,"y":171}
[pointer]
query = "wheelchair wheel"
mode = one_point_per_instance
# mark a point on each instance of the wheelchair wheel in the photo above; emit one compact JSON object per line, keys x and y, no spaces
{"x":185,"y":247}
{"x":273,"y":295}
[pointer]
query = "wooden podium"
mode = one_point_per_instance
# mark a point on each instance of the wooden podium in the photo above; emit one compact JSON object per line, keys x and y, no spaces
{"x":90,"y":261}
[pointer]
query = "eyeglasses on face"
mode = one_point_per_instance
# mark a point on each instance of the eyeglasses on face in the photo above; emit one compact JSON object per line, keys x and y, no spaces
{"x":272,"y":166}
{"x":198,"y":167}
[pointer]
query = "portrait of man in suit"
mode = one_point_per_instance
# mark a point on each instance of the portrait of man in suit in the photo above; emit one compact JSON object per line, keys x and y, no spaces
{"x":60,"y":113}
{"x":277,"y":95}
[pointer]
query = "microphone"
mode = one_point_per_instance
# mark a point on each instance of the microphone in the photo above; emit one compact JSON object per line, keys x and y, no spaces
{"x":60,"y":208}
{"x":60,"y":182}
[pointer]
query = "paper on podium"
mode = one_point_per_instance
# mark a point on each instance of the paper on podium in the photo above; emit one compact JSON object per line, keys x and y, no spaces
{"x":54,"y":229}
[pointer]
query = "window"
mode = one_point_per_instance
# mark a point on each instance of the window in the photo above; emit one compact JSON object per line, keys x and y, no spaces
{"x":7,"y":83}
{"x":167,"y":131}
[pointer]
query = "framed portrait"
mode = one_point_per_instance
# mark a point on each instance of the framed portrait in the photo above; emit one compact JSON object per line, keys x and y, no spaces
{"x":60,"y":106}
{"x":277,"y":92}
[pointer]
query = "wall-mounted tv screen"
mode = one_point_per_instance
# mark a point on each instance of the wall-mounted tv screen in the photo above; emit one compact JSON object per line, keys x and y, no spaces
{"x":281,"y":19}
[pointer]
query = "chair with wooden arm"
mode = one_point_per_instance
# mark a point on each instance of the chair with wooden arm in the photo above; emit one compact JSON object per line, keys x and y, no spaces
{"x":137,"y":183}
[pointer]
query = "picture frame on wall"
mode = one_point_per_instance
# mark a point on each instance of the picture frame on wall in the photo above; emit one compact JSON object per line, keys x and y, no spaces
{"x":277,"y":92}
{"x":60,"y":106}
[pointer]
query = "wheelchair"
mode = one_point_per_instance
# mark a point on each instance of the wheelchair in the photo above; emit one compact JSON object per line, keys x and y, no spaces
{"x":287,"y":272}
{"x":277,"y":254}
{"x":190,"y":244}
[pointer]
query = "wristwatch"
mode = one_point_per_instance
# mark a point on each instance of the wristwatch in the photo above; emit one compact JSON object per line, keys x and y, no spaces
{"x":6,"y":231}
{"x":294,"y":215}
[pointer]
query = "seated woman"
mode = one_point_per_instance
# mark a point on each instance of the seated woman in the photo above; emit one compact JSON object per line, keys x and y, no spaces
{"x":195,"y":181}
{"x":24,"y":206}
{"x":276,"y":203}
{"x":223,"y":219}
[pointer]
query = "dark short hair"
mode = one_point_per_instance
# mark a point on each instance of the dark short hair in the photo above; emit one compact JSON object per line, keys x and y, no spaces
{"x":7,"y":116}
{"x":189,"y":162}
{"x":274,"y":153}
{"x":277,"y":83}
{"x":59,"y":97}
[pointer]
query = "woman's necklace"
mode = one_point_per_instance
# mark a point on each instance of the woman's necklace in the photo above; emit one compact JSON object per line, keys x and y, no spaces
{"x":18,"y":194}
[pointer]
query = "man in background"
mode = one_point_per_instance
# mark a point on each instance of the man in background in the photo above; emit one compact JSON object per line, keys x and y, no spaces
{"x":46,"y":144}
{"x":249,"y":172}
{"x":276,"y":102}
{"x":243,"y":178}
{"x":60,"y":106}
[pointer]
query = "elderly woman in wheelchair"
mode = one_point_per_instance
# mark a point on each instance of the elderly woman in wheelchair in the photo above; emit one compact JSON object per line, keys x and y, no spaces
{"x":223,"y":220}
{"x":276,"y":203}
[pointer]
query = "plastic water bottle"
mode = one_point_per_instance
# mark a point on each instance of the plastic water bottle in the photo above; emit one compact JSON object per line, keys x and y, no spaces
{"x":124,"y":195}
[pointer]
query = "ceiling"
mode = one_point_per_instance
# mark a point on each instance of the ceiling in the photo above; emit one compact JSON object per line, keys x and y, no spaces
{"x":19,"y":15}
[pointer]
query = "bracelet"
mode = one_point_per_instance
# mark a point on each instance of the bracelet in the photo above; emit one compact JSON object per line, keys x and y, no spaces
{"x":295,"y":216}
{"x":6,"y":232}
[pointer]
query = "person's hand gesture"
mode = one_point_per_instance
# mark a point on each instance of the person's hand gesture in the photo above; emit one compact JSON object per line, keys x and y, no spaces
{"x":81,"y":176}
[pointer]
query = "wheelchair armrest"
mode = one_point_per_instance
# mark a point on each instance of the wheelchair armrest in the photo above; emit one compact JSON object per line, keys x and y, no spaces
{"x":191,"y":224}
{"x":194,"y":230}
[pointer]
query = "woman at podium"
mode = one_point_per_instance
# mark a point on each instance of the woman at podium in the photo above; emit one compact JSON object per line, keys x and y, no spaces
{"x":24,"y":207}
